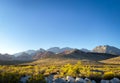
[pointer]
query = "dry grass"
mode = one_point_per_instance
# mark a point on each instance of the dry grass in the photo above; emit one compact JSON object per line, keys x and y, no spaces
{"x":115,"y":60}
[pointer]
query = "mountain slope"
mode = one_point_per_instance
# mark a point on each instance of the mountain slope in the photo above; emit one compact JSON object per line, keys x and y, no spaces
{"x":43,"y":55}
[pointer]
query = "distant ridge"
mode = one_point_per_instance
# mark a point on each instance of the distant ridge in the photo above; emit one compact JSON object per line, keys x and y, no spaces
{"x":59,"y":50}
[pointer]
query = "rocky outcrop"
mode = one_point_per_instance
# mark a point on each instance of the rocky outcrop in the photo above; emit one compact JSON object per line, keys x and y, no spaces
{"x":107,"y":49}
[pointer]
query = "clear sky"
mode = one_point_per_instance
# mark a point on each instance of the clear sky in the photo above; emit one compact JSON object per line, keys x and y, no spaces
{"x":34,"y":24}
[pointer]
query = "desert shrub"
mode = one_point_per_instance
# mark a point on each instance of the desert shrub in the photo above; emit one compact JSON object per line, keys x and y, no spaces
{"x":108,"y":75}
{"x":85,"y":71}
{"x":75,"y":70}
{"x":95,"y":74}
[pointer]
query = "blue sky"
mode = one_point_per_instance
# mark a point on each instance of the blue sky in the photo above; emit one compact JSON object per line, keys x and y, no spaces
{"x":34,"y":24}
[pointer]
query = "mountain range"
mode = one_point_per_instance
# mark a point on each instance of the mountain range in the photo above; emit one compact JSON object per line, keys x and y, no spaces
{"x":98,"y":53}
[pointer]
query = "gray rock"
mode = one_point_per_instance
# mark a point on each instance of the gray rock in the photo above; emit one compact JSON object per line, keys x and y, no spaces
{"x":24,"y":79}
{"x":70,"y":79}
{"x":79,"y":80}
{"x":93,"y":81}
{"x":104,"y":81}
{"x":59,"y":80}
{"x":86,"y":80}
{"x":115,"y":80}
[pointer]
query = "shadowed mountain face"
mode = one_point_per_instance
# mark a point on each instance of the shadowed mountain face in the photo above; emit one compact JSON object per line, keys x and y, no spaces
{"x":24,"y":57}
{"x":6,"y":57}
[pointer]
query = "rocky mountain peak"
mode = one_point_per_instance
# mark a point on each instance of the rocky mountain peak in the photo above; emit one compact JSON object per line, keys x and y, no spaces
{"x":107,"y":49}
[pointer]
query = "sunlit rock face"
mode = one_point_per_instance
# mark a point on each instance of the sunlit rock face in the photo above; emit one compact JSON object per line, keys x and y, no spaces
{"x":107,"y":49}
